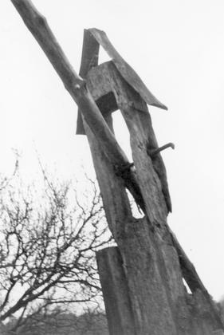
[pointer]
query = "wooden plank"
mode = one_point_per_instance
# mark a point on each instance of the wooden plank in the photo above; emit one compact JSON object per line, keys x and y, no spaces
{"x":125,"y":69}
{"x":194,"y":282}
{"x":38,"y":26}
{"x":146,"y":248}
{"x":146,"y":277}
{"x":115,"y":200}
{"x":134,"y":238}
{"x":149,"y":301}
{"x":100,"y":81}
{"x":115,"y":291}
{"x":75,"y":85}
{"x":104,"y":79}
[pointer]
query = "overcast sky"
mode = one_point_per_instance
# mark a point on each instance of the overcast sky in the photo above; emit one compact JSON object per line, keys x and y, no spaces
{"x":177,"y":47}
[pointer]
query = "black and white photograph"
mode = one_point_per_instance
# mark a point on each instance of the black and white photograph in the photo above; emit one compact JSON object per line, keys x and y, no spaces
{"x":112,"y":167}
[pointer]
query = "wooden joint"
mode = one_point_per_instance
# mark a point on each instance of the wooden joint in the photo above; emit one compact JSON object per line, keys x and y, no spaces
{"x":123,"y":169}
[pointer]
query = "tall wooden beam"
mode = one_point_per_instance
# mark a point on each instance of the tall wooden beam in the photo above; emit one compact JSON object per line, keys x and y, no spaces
{"x":149,"y":262}
{"x":115,"y":292}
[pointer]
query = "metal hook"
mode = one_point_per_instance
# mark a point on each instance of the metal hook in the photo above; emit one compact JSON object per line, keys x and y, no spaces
{"x":158,"y":150}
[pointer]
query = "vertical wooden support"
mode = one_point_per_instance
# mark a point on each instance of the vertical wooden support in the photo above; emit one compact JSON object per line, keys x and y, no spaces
{"x":148,"y":296}
{"x":148,"y":263}
{"x":159,"y":304}
{"x":137,"y":246}
{"x":115,"y":292}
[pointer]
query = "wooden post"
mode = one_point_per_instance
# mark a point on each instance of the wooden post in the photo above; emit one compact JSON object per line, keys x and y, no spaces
{"x":151,"y":265}
{"x":161,"y":304}
{"x":115,"y":292}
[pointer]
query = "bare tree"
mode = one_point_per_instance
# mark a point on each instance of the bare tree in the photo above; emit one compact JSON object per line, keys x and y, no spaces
{"x":59,"y":323}
{"x":47,"y":249}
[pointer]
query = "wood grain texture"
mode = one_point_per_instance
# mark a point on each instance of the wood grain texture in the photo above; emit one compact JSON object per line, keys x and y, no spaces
{"x":115,"y":291}
{"x":125,"y":69}
{"x":89,"y":59}
{"x":149,"y":258}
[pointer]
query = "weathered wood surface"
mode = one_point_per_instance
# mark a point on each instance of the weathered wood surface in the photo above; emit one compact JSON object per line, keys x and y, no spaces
{"x":149,"y":299}
{"x":39,"y":28}
{"x":106,"y":78}
{"x":155,"y":238}
{"x":194,"y":282}
{"x":125,"y":69}
{"x":75,"y":85}
{"x":135,"y":241}
{"x":93,"y":38}
{"x":90,"y":55}
{"x":4,"y":330}
{"x":115,"y":292}
{"x":150,"y":261}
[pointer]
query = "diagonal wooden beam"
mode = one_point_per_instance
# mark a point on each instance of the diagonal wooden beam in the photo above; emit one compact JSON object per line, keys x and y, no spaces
{"x":76,"y":86}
